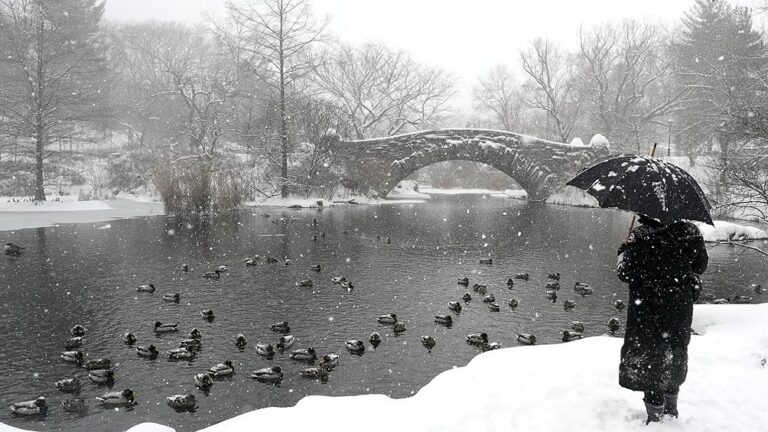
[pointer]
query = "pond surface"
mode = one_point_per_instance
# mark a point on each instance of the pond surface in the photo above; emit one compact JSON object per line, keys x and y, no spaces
{"x":87,"y":274}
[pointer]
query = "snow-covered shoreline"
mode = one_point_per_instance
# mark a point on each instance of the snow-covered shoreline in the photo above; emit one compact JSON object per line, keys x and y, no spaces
{"x":568,"y":387}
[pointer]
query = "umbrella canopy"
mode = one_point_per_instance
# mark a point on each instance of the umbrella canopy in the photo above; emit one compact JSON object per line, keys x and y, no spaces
{"x":645,"y":185}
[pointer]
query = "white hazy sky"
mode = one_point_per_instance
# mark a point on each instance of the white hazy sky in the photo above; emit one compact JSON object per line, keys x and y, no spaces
{"x":464,"y":37}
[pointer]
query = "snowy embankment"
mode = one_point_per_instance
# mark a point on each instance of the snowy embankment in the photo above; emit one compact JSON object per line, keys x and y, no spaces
{"x":564,"y":387}
{"x":724,"y":231}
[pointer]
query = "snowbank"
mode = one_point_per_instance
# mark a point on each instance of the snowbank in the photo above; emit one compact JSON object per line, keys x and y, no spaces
{"x":407,"y":189}
{"x":520,"y":194}
{"x":564,"y":387}
{"x":730,"y":231}
{"x":572,"y":196}
{"x":65,"y":203}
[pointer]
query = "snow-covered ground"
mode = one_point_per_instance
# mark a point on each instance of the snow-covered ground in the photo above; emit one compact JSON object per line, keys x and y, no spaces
{"x":730,"y":231}
{"x":572,"y":196}
{"x":569,"y":387}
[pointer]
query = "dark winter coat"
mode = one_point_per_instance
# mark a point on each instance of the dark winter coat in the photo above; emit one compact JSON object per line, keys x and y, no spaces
{"x":661,"y":264}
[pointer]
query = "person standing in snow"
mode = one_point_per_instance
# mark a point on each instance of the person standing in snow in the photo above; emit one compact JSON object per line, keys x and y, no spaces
{"x":661,"y":263}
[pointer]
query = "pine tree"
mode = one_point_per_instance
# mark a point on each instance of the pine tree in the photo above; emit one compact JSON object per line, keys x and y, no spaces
{"x":52,"y":59}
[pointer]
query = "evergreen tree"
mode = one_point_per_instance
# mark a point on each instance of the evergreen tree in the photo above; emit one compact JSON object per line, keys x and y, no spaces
{"x":52,"y":59}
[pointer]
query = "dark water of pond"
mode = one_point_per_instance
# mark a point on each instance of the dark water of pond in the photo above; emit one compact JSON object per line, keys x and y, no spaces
{"x":87,"y":274}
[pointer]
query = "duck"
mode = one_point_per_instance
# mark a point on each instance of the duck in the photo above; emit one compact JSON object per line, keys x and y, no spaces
{"x":526,"y":339}
{"x":307,"y":283}
{"x":129,"y":338}
{"x":77,"y":331}
{"x":479,"y":288}
{"x":488,"y":261}
{"x":467,"y":297}
{"x":314,"y":237}
{"x":99,"y":363}
{"x":74,"y":405}
{"x":280,"y":327}
{"x":13,"y":249}
{"x":445,"y":320}
{"x":223,"y":268}
{"x":174,"y":298}
{"x":720,"y":301}
{"x":203,"y":381}
{"x":583,"y":289}
{"x":741,"y":299}
{"x":222,"y":369}
{"x":513,"y":303}
{"x":493,"y":307}
{"x":347,"y":285}
{"x":102,"y":376}
{"x":215,"y":275}
{"x":522,"y":276}
{"x":182,"y":402}
{"x":195,"y":334}
{"x":316,"y":268}
{"x":378,"y":237}
{"x":240,"y":341}
{"x":569,"y":304}
{"x":268,"y":374}
{"x":165,"y":328}
{"x":125,"y":397}
{"x":389,"y":240}
{"x":614,"y":325}
{"x":287,"y":261}
{"x":181,"y":354}
{"x":399,"y":327}
{"x":571,"y":335}
{"x":510,"y":283}
{"x":250,"y":262}
{"x":73,"y":342}
{"x":490,"y":346}
{"x":554,"y":285}
{"x":148,"y":351}
{"x":285,"y":342}
{"x":428,"y":342}
{"x":272,"y":260}
{"x":70,"y":385}
{"x":619,"y":304}
{"x":329,"y":361}
{"x":191,"y":344}
{"x":552,"y":296}
{"x":489,"y":298}
{"x":185,"y":268}
{"x":315,"y":373}
{"x":72,"y":356}
{"x":554,"y":276}
{"x":29,"y":408}
{"x":264,"y":349}
{"x":207,"y":314}
{"x":454,"y":306}
{"x":355,"y":346}
{"x":387,"y":319}
{"x":577,"y":326}
{"x":375,"y":339}
{"x":463,"y":281}
{"x":477,"y":338}
{"x":304,"y":355}
{"x":148,"y":287}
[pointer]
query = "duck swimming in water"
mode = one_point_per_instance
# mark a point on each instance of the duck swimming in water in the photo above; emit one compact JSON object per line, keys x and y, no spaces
{"x":510,"y":283}
{"x":185,"y":268}
{"x":513,"y":303}
{"x":99,"y":363}
{"x":554,"y":276}
{"x":478,"y":288}
{"x":487,"y":261}
{"x":619,"y":304}
{"x":148,"y":351}
{"x":173,"y":298}
{"x":526,"y":339}
{"x":577,"y":326}
{"x":614,"y":325}
{"x":571,"y":335}
{"x":280,"y":327}
{"x":150,"y":288}
{"x":102,"y":376}
{"x":315,"y":373}
{"x":338,"y":279}
{"x":75,"y":405}
{"x":195,"y":334}
{"x":355,"y":346}
{"x":265,"y":350}
{"x":269,"y":374}
{"x":741,"y":299}
{"x":72,"y":356}
{"x":582,"y":289}
{"x":315,"y":268}
{"x":387,"y":319}
{"x":467,"y":297}
{"x":493,"y":307}
{"x":125,"y":397}
{"x":215,"y":275}
{"x":30,"y":408}
{"x":304,"y":355}
{"x":71,"y":385}
{"x":240,"y":341}
{"x":203,"y":381}
{"x":77,"y":331}
{"x":491,"y":346}
{"x":463,"y":281}
{"x":454,"y":306}
{"x":329,"y":361}
{"x":375,"y":339}
{"x":522,"y":276}
{"x":489,"y":298}
{"x":165,"y":328}
{"x":553,"y":286}
{"x":129,"y":338}
{"x":347,"y":286}
{"x":207,"y":314}
{"x":569,"y":304}
{"x":552,"y":296}
{"x":445,"y":320}
{"x":399,"y":327}
{"x":222,"y":369}
{"x":191,"y":344}
{"x":285,"y":342}
{"x":180,"y":354}
{"x":13,"y":249}
{"x":185,"y":402}
{"x":73,"y":343}
{"x":428,"y":342}
{"x":477,"y":338}
{"x":307,"y":283}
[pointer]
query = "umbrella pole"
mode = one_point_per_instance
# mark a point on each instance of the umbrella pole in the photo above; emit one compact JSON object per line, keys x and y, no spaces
{"x":632,"y":224}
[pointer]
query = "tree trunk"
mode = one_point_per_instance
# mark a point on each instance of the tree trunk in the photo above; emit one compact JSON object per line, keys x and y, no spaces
{"x":283,"y":115}
{"x":39,"y":178}
{"x":40,"y":140}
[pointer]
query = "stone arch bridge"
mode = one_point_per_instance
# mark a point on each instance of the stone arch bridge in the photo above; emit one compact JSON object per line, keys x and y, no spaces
{"x":376,"y":166}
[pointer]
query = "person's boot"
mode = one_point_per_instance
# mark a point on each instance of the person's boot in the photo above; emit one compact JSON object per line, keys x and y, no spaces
{"x":655,"y":412}
{"x":670,"y":404}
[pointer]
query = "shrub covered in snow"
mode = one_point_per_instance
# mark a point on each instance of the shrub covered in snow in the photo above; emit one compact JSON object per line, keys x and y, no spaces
{"x":598,"y":140}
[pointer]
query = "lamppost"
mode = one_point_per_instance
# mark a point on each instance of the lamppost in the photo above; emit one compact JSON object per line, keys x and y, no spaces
{"x":670,"y":122}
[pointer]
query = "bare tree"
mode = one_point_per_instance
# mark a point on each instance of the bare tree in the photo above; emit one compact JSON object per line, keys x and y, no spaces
{"x":383,"y":92}
{"x":553,"y":85}
{"x":499,"y":94}
{"x":52,"y":61}
{"x":276,"y":38}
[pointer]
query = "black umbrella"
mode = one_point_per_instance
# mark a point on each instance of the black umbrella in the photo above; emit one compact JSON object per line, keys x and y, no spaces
{"x":645,"y":185}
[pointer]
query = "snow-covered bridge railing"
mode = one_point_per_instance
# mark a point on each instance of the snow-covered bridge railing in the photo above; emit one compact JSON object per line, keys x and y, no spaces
{"x":539,"y":166}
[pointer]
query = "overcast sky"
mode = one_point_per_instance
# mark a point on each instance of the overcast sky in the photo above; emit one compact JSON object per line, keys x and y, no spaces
{"x":464,"y":37}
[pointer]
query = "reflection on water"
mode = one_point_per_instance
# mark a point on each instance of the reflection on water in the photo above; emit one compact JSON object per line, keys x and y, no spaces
{"x":88,"y":274}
